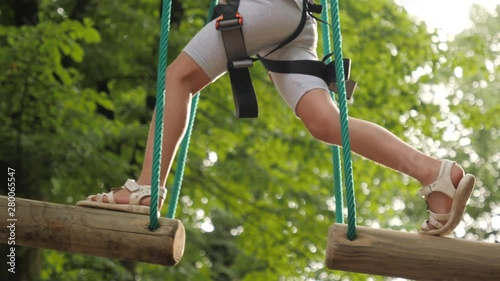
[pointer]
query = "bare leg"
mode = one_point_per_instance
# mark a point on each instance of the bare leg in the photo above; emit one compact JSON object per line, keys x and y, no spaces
{"x":321,"y":117}
{"x":184,"y":78}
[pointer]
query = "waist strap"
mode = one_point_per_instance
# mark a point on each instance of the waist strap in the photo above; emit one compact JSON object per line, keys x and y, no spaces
{"x":319,"y":69}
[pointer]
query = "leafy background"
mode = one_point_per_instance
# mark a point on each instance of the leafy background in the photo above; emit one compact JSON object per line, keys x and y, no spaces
{"x":77,"y":88}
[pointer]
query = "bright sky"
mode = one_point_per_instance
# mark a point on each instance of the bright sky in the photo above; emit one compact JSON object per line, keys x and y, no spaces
{"x":451,"y":16}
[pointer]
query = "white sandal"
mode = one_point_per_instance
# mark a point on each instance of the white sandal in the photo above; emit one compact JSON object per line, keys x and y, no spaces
{"x":460,"y":196}
{"x":137,"y":193}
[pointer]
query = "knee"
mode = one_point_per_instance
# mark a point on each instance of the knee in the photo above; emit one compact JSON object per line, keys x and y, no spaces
{"x":320,"y":115}
{"x":324,"y":128}
{"x":186,"y":74}
{"x":177,"y":75}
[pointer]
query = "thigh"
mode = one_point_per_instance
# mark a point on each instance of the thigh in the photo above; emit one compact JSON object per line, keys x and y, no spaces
{"x":293,"y":87}
{"x":266,"y":23}
{"x":316,"y":105}
{"x":319,"y":114}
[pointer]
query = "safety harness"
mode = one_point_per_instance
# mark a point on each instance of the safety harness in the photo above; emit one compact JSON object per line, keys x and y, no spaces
{"x":230,"y":22}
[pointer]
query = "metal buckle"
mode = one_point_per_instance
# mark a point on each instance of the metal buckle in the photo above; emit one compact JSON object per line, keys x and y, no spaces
{"x":332,"y":80}
{"x":350,"y":86}
{"x":241,"y":64}
{"x":222,"y":24}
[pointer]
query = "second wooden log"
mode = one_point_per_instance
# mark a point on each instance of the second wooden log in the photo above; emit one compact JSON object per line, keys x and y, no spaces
{"x":411,"y":255}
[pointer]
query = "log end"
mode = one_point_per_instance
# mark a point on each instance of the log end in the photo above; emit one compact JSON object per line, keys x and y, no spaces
{"x":179,"y":243}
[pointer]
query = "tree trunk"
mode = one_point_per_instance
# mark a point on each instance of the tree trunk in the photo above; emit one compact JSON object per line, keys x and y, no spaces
{"x":28,"y":260}
{"x":25,"y":12}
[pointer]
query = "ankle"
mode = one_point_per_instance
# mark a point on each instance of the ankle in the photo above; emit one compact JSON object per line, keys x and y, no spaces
{"x":144,"y":181}
{"x":147,"y":184}
{"x":144,"y":184}
{"x":432,"y":175}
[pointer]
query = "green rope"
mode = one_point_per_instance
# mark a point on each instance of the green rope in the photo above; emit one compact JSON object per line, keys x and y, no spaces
{"x":327,"y":49}
{"x":344,"y":120}
{"x":160,"y":101}
{"x":183,"y":150}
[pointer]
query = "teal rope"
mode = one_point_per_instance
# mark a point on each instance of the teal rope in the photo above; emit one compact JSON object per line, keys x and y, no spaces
{"x":160,"y":101}
{"x":337,"y":180}
{"x":179,"y":173}
{"x":339,"y":68}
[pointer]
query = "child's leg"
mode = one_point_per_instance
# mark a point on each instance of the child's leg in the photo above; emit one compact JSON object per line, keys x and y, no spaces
{"x":203,"y":61}
{"x":321,"y":117}
{"x":184,"y":78}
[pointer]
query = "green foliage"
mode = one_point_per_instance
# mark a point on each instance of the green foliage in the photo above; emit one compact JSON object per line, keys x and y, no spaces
{"x":36,"y":87}
{"x":77,"y":95}
{"x":471,"y":68}
{"x":72,"y":267}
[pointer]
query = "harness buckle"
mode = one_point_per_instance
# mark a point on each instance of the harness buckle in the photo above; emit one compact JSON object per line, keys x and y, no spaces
{"x":241,"y":64}
{"x":223,"y":24}
{"x":314,"y":8}
{"x":332,"y":80}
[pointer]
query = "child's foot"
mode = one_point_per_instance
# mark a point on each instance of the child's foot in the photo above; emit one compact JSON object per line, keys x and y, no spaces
{"x":131,"y":197}
{"x":446,"y":199}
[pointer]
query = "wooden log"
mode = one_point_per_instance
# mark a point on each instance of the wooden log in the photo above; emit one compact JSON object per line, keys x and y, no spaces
{"x":411,"y":255}
{"x":110,"y":234}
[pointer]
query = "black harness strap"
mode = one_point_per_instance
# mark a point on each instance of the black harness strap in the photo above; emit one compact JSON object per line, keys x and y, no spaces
{"x":315,"y":68}
{"x":229,"y":23}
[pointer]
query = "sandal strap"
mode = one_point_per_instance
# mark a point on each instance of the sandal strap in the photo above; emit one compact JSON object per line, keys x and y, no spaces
{"x":132,"y":186}
{"x":439,"y":217}
{"x":111,"y":197}
{"x":425,"y":226}
{"x":98,"y":197}
{"x":137,"y":192}
{"x":434,"y":223}
{"x":443,"y":183}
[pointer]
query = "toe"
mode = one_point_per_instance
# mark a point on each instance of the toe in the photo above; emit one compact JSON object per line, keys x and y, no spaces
{"x":146,"y":201}
{"x":100,"y":197}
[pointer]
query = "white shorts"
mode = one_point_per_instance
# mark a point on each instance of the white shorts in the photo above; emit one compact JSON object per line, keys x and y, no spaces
{"x":267,"y":23}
